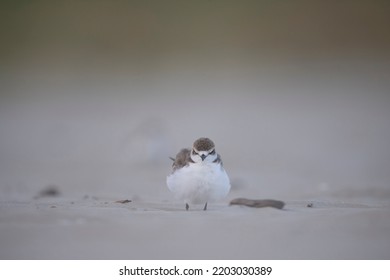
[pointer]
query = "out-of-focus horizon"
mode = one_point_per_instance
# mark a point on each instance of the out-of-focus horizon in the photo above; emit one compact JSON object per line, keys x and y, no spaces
{"x":95,"y":95}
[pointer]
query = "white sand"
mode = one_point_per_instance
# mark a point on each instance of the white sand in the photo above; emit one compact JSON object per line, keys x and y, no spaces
{"x":320,"y":137}
{"x":102,"y":229}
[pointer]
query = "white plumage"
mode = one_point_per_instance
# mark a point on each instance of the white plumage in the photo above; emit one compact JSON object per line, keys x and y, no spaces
{"x":198,"y":176}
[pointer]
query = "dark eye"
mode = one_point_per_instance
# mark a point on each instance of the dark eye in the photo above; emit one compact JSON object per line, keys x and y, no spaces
{"x":194,"y":153}
{"x":212,"y":152}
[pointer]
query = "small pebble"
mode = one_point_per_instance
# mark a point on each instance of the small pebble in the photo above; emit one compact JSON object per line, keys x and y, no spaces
{"x":123,"y":201}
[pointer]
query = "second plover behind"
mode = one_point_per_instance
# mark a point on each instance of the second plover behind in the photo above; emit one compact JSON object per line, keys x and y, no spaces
{"x":198,"y":176}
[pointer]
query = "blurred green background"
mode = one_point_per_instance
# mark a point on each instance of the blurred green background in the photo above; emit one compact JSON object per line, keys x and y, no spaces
{"x":130,"y":38}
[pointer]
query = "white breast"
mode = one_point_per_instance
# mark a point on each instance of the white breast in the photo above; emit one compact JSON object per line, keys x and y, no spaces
{"x":199,"y":183}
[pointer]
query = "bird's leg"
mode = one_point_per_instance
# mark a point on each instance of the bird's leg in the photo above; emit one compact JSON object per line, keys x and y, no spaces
{"x":187,"y":206}
{"x":205,"y":207}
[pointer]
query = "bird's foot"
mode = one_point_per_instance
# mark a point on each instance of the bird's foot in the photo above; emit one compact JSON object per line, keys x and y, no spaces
{"x":205,"y":207}
{"x":187,"y":207}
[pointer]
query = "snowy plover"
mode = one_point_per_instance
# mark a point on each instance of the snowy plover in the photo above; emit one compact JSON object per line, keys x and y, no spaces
{"x":198,"y":176}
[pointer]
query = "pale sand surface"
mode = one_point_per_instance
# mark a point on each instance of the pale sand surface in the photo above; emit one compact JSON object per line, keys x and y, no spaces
{"x":320,"y":137}
{"x":103,"y":229}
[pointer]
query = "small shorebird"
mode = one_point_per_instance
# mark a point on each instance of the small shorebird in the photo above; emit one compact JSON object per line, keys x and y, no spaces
{"x":198,"y":176}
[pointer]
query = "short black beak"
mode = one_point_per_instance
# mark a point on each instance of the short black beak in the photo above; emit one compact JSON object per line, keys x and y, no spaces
{"x":203,"y":157}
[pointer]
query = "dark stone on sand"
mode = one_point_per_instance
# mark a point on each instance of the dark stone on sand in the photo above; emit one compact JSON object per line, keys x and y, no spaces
{"x":258,"y":203}
{"x":123,"y":201}
{"x":49,"y":191}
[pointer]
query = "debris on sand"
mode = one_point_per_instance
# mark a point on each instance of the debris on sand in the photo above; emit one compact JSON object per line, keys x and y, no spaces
{"x":258,"y":203}
{"x":123,"y":201}
{"x":49,"y":191}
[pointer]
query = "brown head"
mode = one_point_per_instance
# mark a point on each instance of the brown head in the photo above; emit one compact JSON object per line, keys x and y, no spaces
{"x":203,"y":149}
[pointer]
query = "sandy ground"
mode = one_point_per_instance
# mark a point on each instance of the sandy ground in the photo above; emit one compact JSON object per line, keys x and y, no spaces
{"x":102,"y":229}
{"x":318,"y":139}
